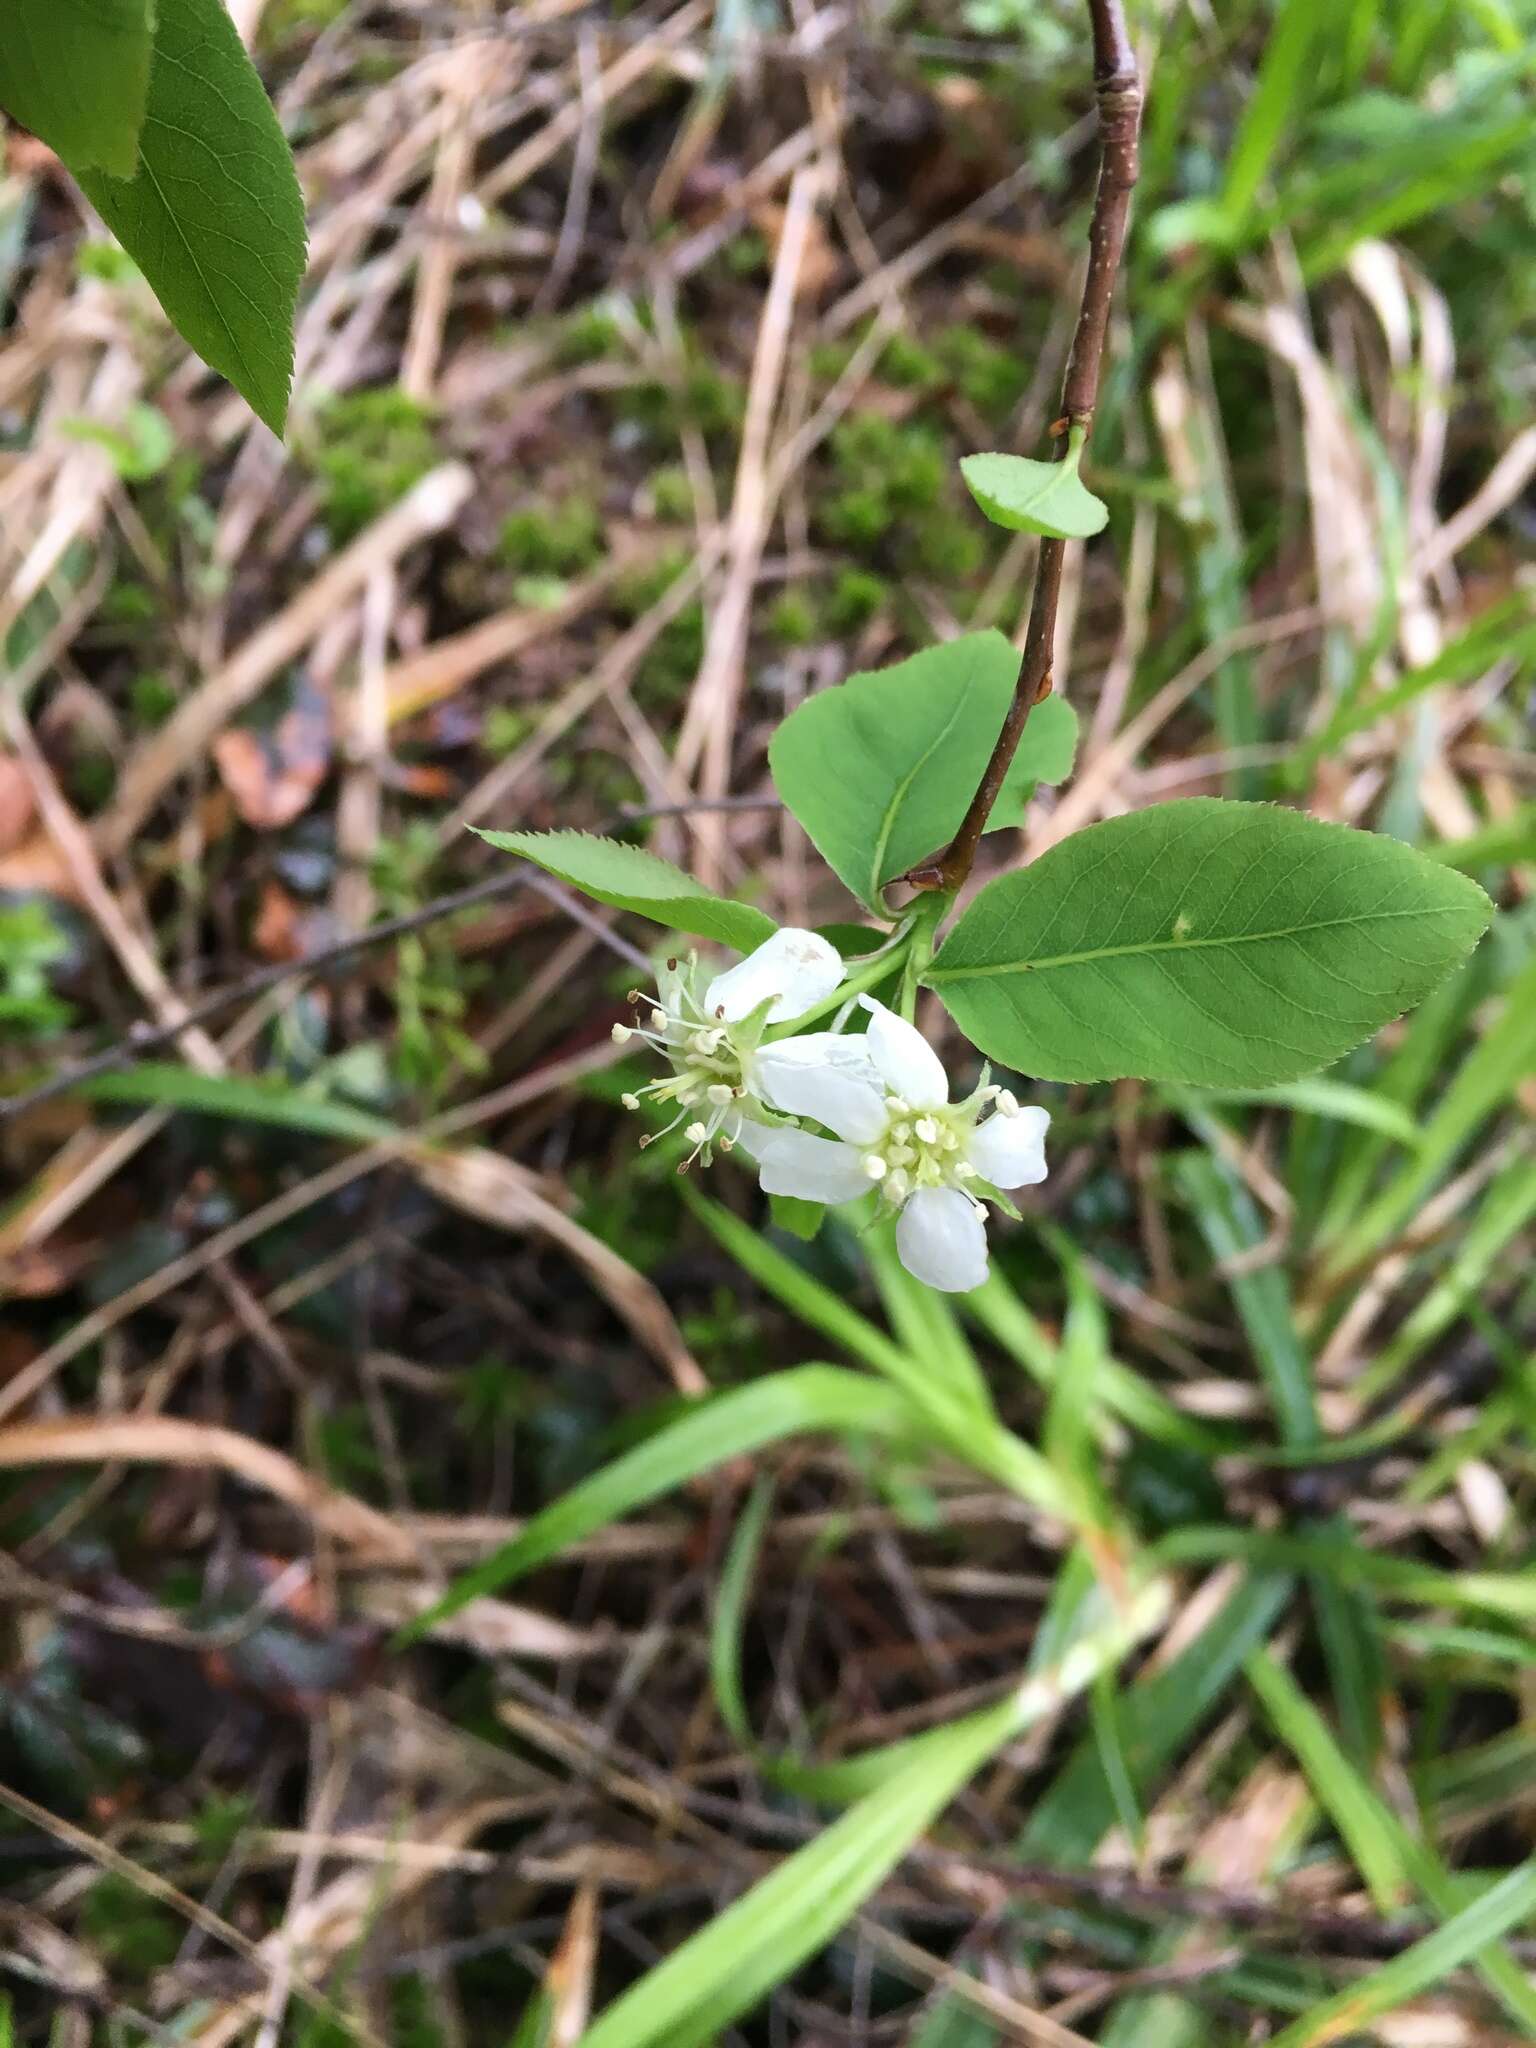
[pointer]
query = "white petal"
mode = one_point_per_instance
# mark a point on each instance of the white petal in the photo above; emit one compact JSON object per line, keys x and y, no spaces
{"x":942,"y":1240}
{"x":825,"y":1076}
{"x":908,"y":1064}
{"x":815,"y":1169}
{"x":796,"y":968}
{"x":1009,"y":1151}
{"x":749,"y":1135}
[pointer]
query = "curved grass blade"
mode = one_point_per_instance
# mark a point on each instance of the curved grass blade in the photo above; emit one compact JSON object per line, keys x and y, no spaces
{"x":718,"y":1428}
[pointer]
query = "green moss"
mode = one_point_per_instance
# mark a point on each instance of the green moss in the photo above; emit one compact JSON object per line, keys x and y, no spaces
{"x":127,"y":1928}
{"x":555,"y":540}
{"x":151,"y":699}
{"x":702,"y":396}
{"x":793,"y":619}
{"x":890,"y":472}
{"x":371,"y":447}
{"x":672,"y":493}
{"x":907,"y":363}
{"x":590,"y":334}
{"x":991,"y":378}
{"x":855,"y":598}
{"x":505,"y":728}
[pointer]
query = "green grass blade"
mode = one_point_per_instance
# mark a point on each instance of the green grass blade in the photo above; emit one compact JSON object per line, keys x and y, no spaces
{"x":718,"y":1428}
{"x":1460,"y":1940}
{"x":1230,"y":1224}
{"x":731,"y":1595}
{"x":725,"y":1969}
{"x":164,"y":1085}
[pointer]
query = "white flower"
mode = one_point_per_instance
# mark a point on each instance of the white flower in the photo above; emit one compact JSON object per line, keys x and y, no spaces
{"x":886,"y":1096}
{"x":712,"y":1033}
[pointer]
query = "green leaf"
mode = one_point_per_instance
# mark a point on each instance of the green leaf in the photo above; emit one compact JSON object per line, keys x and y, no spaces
{"x":627,"y":878}
{"x":1224,"y":944}
{"x":1034,"y":497}
{"x":711,"y":1431}
{"x":880,"y":769}
{"x":76,"y":72}
{"x":213,"y":215}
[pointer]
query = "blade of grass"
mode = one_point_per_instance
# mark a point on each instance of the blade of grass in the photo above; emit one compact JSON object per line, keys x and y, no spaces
{"x":730,"y":1965}
{"x":1461,"y":1939}
{"x":1390,"y":1860}
{"x":714,"y":1430}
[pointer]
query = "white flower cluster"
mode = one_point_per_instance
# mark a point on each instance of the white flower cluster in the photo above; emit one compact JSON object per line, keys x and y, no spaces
{"x":883,"y":1095}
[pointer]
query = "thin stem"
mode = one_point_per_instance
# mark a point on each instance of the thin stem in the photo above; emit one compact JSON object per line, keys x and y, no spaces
{"x":1118,"y":90}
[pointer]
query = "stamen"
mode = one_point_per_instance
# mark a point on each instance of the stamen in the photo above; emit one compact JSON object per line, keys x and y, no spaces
{"x":630,"y":1101}
{"x":720,"y":1094}
{"x":705,"y":1042}
{"x":965,"y":1170}
{"x":696,"y":1134}
{"x":622,"y":1034}
{"x":875,"y":1166}
{"x":659,"y":1020}
{"x":926,"y":1130}
{"x":898,"y":1185}
{"x":1007,"y":1102}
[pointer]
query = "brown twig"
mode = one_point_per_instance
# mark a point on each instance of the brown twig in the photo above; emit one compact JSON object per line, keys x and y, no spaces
{"x":1118,"y":90}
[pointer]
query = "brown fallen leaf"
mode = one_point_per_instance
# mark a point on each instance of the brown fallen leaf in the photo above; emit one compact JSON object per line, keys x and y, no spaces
{"x":37,"y":864}
{"x":273,"y":774}
{"x":174,"y":1440}
{"x":18,"y":807}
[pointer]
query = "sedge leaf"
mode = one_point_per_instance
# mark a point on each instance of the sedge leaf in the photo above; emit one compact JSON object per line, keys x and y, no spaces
{"x":628,"y":878}
{"x":1049,"y":498}
{"x":1225,"y":944}
{"x":879,"y":770}
{"x":213,"y":215}
{"x":76,"y":72}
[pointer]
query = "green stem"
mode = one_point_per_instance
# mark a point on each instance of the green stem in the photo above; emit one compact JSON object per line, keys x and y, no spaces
{"x":872,"y":968}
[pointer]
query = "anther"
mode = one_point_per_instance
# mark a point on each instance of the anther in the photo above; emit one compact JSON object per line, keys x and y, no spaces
{"x":696,"y":1133}
{"x":659,"y":1020}
{"x":926,"y":1130}
{"x":622,"y":1034}
{"x":875,"y":1166}
{"x":630,"y":1101}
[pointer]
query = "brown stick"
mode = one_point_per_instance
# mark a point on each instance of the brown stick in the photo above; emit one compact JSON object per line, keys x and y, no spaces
{"x":1118,"y":89}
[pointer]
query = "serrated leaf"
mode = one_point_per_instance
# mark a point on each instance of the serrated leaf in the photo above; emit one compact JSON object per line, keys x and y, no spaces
{"x":1224,"y":944}
{"x":76,"y":72}
{"x":1034,"y":497}
{"x":213,"y":215}
{"x":879,"y":770}
{"x":628,"y":878}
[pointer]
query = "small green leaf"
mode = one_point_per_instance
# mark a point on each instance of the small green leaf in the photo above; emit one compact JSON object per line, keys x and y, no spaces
{"x":1034,"y":497}
{"x":628,"y":878}
{"x":213,"y":215}
{"x":76,"y":72}
{"x":879,"y":770}
{"x":1225,"y":944}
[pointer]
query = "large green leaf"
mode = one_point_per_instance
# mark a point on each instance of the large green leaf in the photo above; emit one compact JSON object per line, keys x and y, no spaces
{"x":880,"y":769}
{"x":76,"y":72}
{"x":1034,"y":497}
{"x":628,"y":878}
{"x":213,"y":215}
{"x":1225,"y":944}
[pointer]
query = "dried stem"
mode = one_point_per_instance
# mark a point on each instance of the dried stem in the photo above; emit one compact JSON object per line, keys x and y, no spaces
{"x":1118,"y":90}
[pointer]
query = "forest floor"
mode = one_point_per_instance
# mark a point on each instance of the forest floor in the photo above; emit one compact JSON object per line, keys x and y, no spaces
{"x":639,"y":348}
